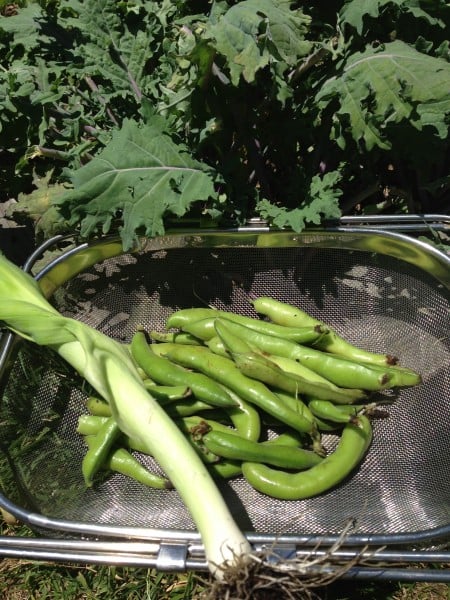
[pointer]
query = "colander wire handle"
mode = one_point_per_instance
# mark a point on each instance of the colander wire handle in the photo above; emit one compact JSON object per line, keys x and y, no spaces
{"x":146,"y":555}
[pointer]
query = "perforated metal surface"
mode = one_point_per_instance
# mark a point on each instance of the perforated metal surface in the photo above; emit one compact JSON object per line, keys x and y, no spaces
{"x":378,"y":302}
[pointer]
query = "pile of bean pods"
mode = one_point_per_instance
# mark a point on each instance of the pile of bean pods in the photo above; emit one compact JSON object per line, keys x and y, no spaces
{"x":254,"y":396}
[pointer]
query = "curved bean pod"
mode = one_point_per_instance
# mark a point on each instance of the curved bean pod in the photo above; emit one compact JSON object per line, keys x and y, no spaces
{"x":99,"y":448}
{"x":186,"y":408}
{"x":258,"y":367}
{"x":166,"y":394}
{"x":292,"y":316}
{"x":244,"y":417}
{"x":340,"y":371}
{"x":199,"y":323}
{"x":90,"y":425}
{"x":225,"y":371}
{"x":333,"y":469}
{"x":121,"y":461}
{"x":165,"y":372}
{"x":97,"y":406}
{"x":324,"y":409}
{"x":236,"y":448}
{"x":177,"y":337}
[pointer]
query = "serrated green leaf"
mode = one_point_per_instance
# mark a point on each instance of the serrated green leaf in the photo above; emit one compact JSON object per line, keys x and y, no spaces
{"x":255,"y":32}
{"x":432,"y":114}
{"x":387,"y":85}
{"x":443,"y":51}
{"x":24,"y":27}
{"x":140,"y":176}
{"x":355,"y":12}
{"x":110,"y":49}
{"x":38,"y":207}
{"x":322,"y":202}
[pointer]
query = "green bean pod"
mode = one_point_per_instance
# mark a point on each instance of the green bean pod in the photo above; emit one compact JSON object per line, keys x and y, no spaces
{"x":90,"y":425}
{"x":400,"y":376}
{"x":295,"y":403}
{"x":216,"y":345}
{"x":333,"y":469}
{"x":97,"y":406}
{"x":340,"y":371}
{"x":324,"y":409}
{"x":236,"y":448}
{"x":322,"y":425}
{"x":200,"y":323}
{"x":296,"y":368}
{"x":225,"y":371}
{"x":163,"y":371}
{"x":289,"y":437}
{"x":235,"y":344}
{"x":327,"y":426}
{"x":257,"y":367}
{"x":183,"y":316}
{"x":242,"y":353}
{"x":345,"y":372}
{"x":244,"y":417}
{"x":292,"y":316}
{"x":204,"y":329}
{"x":186,"y":408}
{"x":194,"y":428}
{"x":100,"y":446}
{"x":226,"y":469}
{"x":258,"y":340}
{"x":177,"y":337}
{"x":288,"y":365}
{"x":121,"y":461}
{"x":248,"y":426}
{"x":166,"y":394}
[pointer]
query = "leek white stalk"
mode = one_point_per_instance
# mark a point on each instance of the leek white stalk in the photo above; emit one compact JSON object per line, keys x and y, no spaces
{"x":108,"y":367}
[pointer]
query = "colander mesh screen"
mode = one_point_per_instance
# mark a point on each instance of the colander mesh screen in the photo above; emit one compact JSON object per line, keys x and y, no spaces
{"x":380,"y":303}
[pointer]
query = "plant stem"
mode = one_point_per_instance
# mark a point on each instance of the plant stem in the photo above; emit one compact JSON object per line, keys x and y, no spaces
{"x":93,"y":86}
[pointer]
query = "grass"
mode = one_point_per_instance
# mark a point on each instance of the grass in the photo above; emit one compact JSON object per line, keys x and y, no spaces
{"x":25,"y":580}
{"x":29,"y":580}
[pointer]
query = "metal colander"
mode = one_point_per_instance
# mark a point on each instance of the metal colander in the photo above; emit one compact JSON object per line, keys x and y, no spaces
{"x":379,"y":289}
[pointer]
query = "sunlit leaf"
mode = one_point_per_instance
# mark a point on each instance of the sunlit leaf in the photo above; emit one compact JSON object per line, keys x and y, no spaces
{"x":141,"y":176}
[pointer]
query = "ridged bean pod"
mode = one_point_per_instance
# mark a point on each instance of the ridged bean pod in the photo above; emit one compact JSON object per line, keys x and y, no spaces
{"x":236,"y":448}
{"x":340,"y":371}
{"x":165,"y":372}
{"x":292,"y":316}
{"x":257,"y":367}
{"x":224,"y":370}
{"x":121,"y":461}
{"x":200,"y":323}
{"x":333,"y":469}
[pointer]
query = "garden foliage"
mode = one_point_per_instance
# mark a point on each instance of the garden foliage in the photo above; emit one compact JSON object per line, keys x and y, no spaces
{"x":126,"y":116}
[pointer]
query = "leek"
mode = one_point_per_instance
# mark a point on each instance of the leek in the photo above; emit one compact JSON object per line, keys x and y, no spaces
{"x":108,"y":367}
